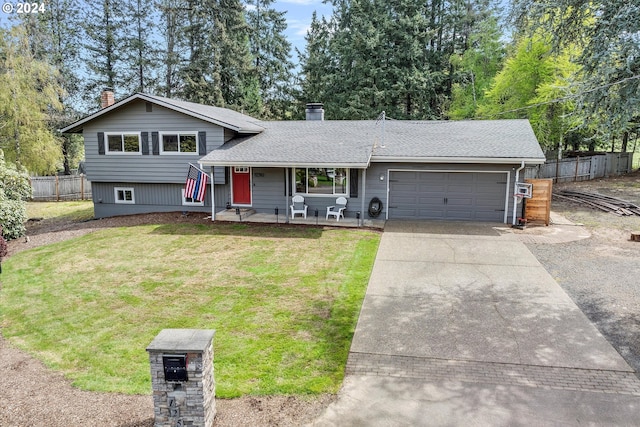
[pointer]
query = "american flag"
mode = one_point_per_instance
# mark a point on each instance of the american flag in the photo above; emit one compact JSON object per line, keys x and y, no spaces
{"x":196,"y":184}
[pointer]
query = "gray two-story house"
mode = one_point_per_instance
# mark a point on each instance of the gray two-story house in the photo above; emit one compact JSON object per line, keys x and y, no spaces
{"x":138,"y":152}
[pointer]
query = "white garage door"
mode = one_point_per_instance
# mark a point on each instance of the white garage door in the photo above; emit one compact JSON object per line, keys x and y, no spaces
{"x":472,"y":196}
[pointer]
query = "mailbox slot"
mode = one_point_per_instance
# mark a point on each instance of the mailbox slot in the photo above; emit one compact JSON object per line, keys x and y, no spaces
{"x":175,"y":367}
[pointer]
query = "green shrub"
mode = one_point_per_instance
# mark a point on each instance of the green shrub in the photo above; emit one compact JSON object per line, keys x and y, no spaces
{"x":13,"y":214}
{"x":15,"y":190}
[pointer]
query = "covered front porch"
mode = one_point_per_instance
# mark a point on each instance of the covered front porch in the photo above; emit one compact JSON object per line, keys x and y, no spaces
{"x":250,"y":216}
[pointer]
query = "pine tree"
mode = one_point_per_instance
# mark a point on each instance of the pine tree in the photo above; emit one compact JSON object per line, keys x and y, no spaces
{"x":103,"y":33}
{"x":173,"y":42}
{"x":315,"y":64}
{"x":272,"y":58}
{"x":139,"y":55}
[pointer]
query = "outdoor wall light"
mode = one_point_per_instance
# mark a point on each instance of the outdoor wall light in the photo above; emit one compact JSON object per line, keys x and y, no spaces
{"x":381,"y":177}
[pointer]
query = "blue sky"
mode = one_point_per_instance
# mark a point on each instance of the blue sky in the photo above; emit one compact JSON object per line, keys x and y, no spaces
{"x":298,"y":17}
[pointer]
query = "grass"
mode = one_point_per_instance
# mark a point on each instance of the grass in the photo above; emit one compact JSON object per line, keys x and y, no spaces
{"x":72,"y":211}
{"x":283,"y":301}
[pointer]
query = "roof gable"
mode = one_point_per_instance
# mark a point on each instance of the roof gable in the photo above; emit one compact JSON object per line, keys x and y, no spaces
{"x":224,"y":117}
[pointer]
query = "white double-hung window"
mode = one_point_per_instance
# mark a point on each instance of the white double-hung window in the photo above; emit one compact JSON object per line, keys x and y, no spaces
{"x":123,"y":143}
{"x":179,"y":142}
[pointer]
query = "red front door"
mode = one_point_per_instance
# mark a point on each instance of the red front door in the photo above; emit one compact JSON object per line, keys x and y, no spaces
{"x":241,"y":182}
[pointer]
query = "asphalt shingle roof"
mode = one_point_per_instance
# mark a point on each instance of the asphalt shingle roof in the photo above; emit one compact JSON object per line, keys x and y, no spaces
{"x":355,"y":143}
{"x":224,"y":117}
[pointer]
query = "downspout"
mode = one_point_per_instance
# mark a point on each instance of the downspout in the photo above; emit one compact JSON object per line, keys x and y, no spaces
{"x":515,"y":187}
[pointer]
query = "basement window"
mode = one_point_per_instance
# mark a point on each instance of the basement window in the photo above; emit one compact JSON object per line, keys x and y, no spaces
{"x":124,"y":195}
{"x":188,"y":201}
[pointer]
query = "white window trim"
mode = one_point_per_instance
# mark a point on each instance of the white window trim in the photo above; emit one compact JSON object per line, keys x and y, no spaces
{"x":185,"y":202}
{"x":122,"y":153}
{"x":334,"y":194}
{"x":126,"y":202}
{"x":161,"y":142}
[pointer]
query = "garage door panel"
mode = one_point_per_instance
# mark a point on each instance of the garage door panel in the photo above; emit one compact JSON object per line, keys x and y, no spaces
{"x":447,"y":195}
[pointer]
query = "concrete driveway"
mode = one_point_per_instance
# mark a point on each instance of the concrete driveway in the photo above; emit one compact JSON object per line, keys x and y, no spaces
{"x":461,"y":325}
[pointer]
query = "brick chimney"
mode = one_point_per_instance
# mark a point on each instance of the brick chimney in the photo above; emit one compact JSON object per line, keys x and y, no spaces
{"x":106,"y":98}
{"x":315,"y":111}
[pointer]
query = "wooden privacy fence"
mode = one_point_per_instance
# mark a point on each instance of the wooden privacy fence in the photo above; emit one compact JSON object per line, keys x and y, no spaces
{"x":66,"y":187}
{"x":582,"y":168}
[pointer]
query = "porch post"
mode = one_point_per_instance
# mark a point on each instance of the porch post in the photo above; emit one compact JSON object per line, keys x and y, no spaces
{"x":213,"y":198}
{"x":286,"y":193}
{"x":364,"y":178}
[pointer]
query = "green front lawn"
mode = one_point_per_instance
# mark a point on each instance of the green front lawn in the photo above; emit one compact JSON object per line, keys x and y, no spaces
{"x":283,"y":301}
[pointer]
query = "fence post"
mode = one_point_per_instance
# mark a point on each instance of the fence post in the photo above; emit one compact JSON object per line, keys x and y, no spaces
{"x":57,"y":190}
{"x":81,"y":186}
{"x":575,"y":178}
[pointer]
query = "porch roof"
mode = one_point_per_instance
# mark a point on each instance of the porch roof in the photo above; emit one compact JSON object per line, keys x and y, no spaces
{"x":355,"y":144}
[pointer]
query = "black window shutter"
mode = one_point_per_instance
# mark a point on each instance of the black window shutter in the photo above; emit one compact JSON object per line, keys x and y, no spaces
{"x":145,"y":143}
{"x":353,"y":182}
{"x":100,"y":142}
{"x":202,"y":143}
{"x":155,"y":141}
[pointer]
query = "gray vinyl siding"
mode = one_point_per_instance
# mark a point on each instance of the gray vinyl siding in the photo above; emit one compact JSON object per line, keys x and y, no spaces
{"x":162,"y":168}
{"x":148,"y":198}
{"x":378,"y":188}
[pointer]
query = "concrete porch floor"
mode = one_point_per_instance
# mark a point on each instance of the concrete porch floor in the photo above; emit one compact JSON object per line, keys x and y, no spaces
{"x":249,"y":215}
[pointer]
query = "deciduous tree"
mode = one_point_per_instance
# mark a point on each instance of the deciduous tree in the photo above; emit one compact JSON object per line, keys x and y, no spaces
{"x":29,"y":92}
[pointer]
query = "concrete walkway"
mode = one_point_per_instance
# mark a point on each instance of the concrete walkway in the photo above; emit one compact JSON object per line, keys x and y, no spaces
{"x":461,"y":325}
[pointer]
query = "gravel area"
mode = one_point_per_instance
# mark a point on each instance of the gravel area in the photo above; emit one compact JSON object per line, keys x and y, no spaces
{"x":600,"y":274}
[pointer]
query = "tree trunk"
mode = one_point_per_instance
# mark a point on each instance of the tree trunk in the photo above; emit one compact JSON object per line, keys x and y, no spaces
{"x":625,"y":141}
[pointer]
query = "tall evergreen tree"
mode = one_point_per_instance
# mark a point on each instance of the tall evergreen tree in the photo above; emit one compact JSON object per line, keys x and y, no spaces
{"x":171,"y":54}
{"x":315,"y":63}
{"x":238,"y":76}
{"x":140,"y":57}
{"x":396,"y":55}
{"x":103,"y":34}
{"x":272,"y":58}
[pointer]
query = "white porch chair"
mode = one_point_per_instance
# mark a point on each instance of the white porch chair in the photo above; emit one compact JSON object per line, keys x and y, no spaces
{"x":298,"y":207}
{"x":337,"y":209}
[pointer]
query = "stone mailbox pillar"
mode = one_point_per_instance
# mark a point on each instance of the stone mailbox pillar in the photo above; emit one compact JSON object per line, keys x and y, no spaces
{"x":182,"y":378}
